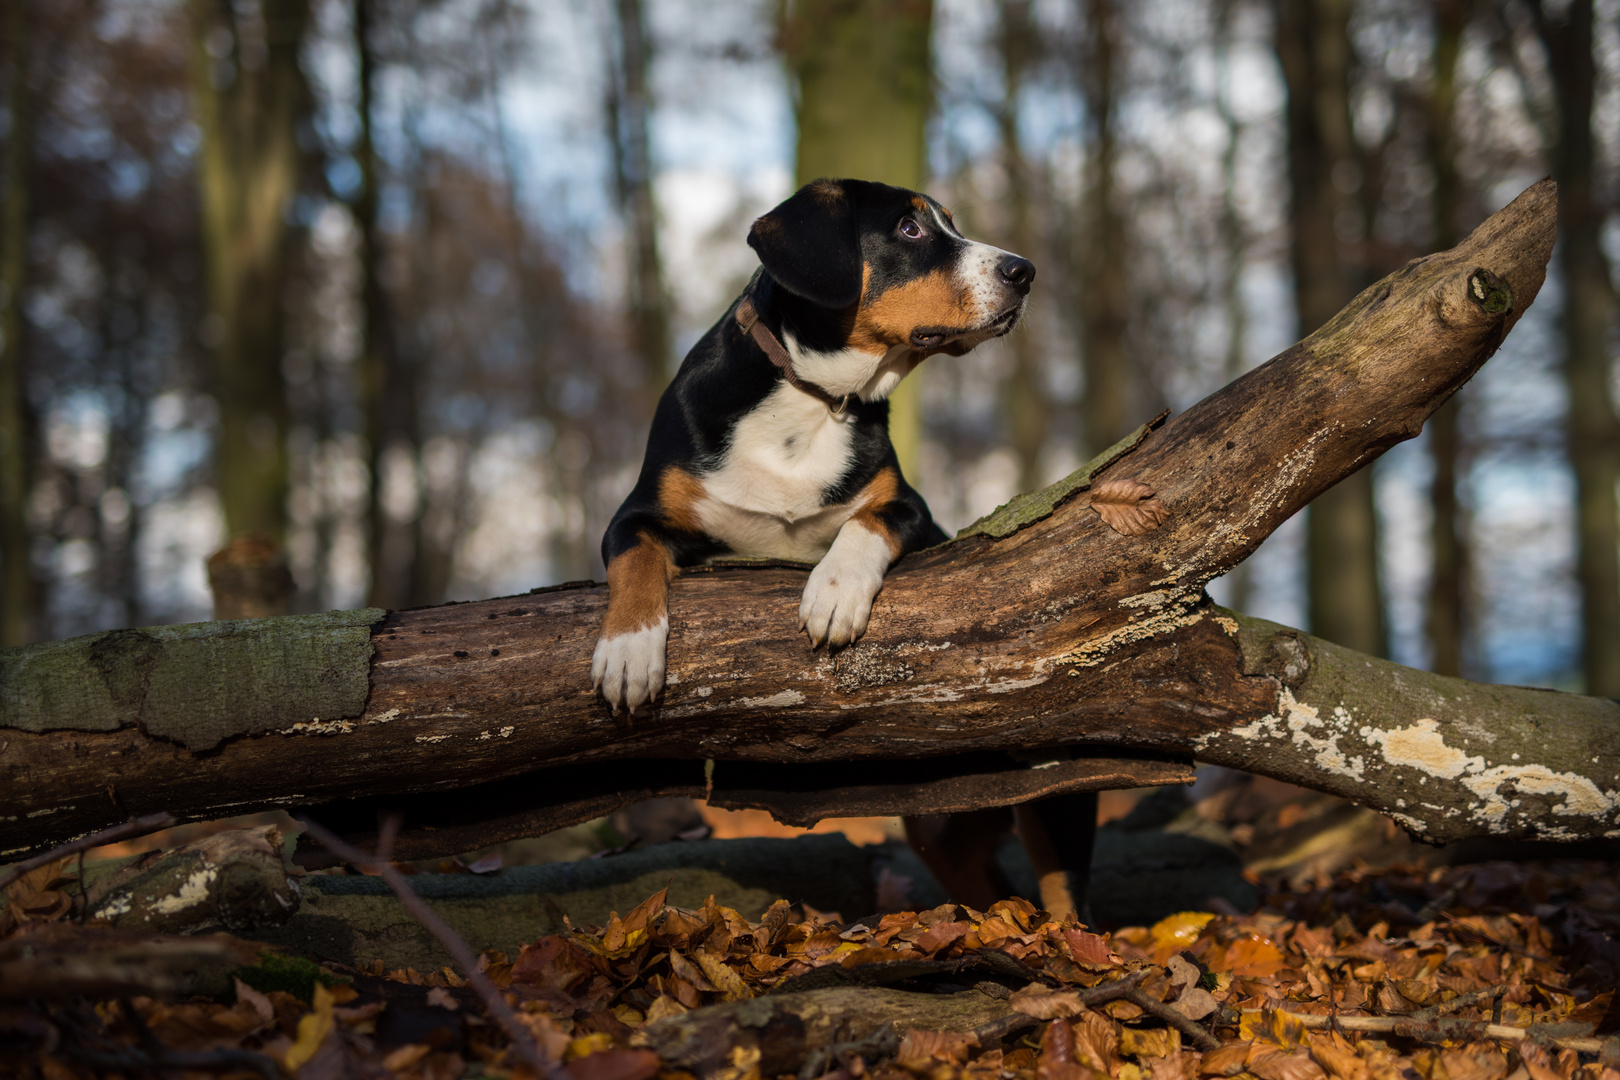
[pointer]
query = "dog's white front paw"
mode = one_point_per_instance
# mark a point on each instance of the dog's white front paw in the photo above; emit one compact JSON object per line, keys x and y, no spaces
{"x":628,"y":669}
{"x":838,"y":598}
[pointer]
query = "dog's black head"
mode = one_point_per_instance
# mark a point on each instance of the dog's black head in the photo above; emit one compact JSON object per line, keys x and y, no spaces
{"x":891,"y":269}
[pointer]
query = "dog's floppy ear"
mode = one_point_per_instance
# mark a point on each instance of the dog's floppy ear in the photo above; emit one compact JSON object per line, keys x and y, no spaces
{"x":811,"y":245}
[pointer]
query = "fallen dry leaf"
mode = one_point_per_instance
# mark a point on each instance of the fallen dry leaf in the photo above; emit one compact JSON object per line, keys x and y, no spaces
{"x":923,"y":1046}
{"x":313,"y":1030}
{"x":1128,"y":506}
{"x":1045,"y":1003}
{"x":1537,"y":943}
{"x":1088,"y":948}
{"x":1228,"y":1060}
{"x":615,"y":1065}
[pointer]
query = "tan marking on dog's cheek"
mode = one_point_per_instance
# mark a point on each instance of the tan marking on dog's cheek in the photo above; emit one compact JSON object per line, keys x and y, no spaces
{"x":887,"y":319}
{"x":638,"y":588}
{"x":879,"y":492}
{"x":679,"y":493}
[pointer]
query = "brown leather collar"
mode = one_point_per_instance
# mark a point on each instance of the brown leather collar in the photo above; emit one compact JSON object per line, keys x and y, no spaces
{"x":748,"y":319}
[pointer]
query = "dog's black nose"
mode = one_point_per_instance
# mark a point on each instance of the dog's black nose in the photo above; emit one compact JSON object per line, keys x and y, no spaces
{"x":1017,"y":272}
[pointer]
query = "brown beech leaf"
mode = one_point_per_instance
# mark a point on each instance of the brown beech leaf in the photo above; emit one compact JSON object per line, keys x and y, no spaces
{"x":1128,"y":506}
{"x":1044,"y":1003}
{"x":1195,"y":1004}
{"x":1475,"y":1063}
{"x":1088,"y":948}
{"x":614,"y":1065}
{"x":951,"y":1046}
{"x":1275,"y":1063}
{"x":1180,"y":1066}
{"x":1228,"y":1060}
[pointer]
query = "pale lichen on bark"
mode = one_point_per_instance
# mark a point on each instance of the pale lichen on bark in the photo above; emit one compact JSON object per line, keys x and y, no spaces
{"x":1445,"y":757}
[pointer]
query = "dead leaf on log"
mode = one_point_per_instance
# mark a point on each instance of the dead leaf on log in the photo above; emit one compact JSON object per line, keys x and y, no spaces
{"x":1128,"y":506}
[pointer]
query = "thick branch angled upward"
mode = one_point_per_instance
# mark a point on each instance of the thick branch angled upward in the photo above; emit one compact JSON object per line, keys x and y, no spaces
{"x":1039,"y":630}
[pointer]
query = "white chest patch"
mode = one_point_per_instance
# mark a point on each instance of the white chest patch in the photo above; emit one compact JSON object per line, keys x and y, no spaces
{"x":764,"y":498}
{"x":871,"y":376}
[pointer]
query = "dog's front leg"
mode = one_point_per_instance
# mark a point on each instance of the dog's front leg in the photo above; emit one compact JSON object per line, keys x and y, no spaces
{"x":628,"y":666}
{"x":838,"y":598}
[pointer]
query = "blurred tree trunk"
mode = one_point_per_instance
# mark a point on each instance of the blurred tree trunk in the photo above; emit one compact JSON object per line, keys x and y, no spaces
{"x":1235,"y":243}
{"x":386,"y":393}
{"x":1448,"y":582}
{"x":440,"y":461}
{"x":19,"y":592}
{"x":1593,"y":433}
{"x":1104,"y":301}
{"x":126,"y":415}
{"x":629,"y":110}
{"x":1028,"y":415}
{"x":865,"y":90}
{"x":250,"y":96}
{"x":1313,"y":47}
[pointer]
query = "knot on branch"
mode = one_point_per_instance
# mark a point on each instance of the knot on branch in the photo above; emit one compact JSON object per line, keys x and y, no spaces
{"x":1280,"y":653}
{"x":1490,"y":293}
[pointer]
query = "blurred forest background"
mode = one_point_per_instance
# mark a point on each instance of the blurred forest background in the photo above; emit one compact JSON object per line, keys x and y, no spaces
{"x":392,"y":285}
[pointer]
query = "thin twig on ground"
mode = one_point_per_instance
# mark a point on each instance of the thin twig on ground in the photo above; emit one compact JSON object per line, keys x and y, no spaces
{"x":1129,"y":989}
{"x":523,"y":1041}
{"x":1462,"y":1001}
{"x":1412,"y":1027}
{"x":133,"y":827}
{"x":1172,"y":1016}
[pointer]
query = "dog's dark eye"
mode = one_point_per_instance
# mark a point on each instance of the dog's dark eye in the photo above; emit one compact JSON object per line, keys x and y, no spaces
{"x":910,"y":229}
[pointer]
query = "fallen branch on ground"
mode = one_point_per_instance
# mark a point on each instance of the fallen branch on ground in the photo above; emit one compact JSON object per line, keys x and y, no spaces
{"x":140,"y":826}
{"x":993,"y":666}
{"x":1441,"y":1029}
{"x":523,"y":1041}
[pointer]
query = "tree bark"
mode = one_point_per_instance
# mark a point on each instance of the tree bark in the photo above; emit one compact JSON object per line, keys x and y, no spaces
{"x":629,"y":111}
{"x":1040,"y":635}
{"x":1341,"y":544}
{"x":249,"y":96}
{"x":864,"y":75}
{"x":19,"y":591}
{"x":384,"y":390}
{"x":1104,"y":296}
{"x":1592,"y":429}
{"x":1448,"y":579}
{"x":789,"y":1029}
{"x":1027,"y":411}
{"x":1235,"y":243}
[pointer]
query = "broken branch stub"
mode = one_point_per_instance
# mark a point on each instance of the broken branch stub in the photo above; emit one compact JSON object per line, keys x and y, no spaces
{"x":1036,"y":634}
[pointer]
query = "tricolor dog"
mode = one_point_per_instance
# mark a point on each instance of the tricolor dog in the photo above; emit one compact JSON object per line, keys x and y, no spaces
{"x":773,"y":439}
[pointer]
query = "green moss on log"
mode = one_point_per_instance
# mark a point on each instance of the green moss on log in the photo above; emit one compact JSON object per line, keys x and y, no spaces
{"x":1027,"y":509}
{"x":197,"y":684}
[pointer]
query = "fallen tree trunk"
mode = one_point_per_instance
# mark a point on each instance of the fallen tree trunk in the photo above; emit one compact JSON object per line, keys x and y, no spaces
{"x":993,"y":665}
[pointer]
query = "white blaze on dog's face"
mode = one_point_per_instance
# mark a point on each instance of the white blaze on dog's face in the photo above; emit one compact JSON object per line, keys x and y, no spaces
{"x":924,"y":289}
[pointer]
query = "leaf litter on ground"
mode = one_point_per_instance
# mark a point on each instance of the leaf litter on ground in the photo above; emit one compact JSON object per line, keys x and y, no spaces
{"x":1495,"y":971}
